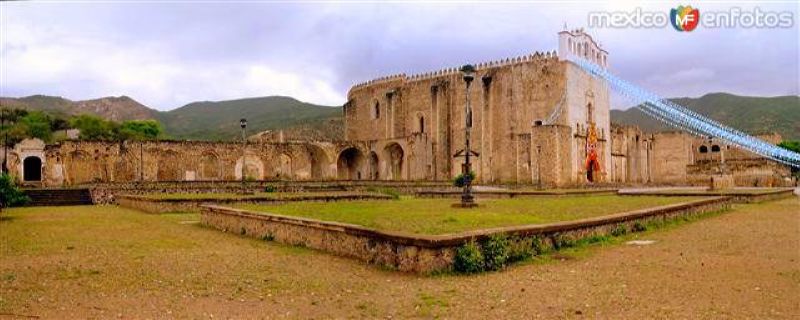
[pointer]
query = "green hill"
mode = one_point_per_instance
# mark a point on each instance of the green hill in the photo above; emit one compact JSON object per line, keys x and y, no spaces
{"x":198,"y":120}
{"x":220,"y":120}
{"x":749,"y":114}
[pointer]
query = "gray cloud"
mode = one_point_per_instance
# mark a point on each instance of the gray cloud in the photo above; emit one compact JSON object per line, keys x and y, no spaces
{"x":169,"y":54}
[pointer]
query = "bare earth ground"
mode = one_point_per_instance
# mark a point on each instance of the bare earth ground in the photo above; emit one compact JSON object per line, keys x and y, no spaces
{"x":107,"y":262}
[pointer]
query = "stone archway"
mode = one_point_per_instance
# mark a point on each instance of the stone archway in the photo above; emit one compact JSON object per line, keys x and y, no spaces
{"x":168,"y":167}
{"x":251,"y":166}
{"x":284,"y":167}
{"x":349,"y":164}
{"x":374,"y":170}
{"x":319,"y":162}
{"x":210,"y":166}
{"x":32,"y":169}
{"x":590,"y":170}
{"x":394,"y":155}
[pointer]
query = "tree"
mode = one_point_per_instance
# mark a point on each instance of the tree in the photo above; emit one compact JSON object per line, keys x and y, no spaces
{"x":94,"y":128}
{"x":140,"y":130}
{"x":10,"y":195}
{"x":791,"y":145}
{"x":37,"y":125}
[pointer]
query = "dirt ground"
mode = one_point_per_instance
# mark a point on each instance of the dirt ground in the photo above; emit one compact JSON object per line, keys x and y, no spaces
{"x":107,"y":262}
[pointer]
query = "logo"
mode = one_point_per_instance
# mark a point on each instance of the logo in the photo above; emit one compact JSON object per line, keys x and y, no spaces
{"x":684,"y":18}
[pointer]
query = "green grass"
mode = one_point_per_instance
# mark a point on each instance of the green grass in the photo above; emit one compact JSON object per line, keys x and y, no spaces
{"x":436,"y":216}
{"x":260,"y":195}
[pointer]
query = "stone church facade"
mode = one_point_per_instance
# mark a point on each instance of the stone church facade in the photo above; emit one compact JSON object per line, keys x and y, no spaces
{"x":537,"y":120}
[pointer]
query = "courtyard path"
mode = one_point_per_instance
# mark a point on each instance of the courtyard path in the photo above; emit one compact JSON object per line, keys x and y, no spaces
{"x":116,"y":263}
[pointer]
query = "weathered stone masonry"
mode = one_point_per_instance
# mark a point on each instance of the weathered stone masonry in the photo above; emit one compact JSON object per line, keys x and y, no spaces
{"x":537,"y":119}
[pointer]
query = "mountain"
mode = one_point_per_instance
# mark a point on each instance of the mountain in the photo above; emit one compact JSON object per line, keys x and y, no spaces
{"x":113,"y":108}
{"x":220,"y":120}
{"x":200,"y":120}
{"x":750,"y":114}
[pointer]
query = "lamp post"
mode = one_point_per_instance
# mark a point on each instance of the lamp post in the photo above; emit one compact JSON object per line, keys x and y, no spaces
{"x":5,"y":139}
{"x":243,"y":124}
{"x":467,"y":200}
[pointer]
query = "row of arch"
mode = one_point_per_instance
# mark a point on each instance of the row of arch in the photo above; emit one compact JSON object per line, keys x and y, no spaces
{"x":587,"y":50}
{"x":351,"y":164}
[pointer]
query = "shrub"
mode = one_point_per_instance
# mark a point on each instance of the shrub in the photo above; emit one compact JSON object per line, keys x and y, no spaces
{"x":495,"y":250}
{"x":469,"y":258}
{"x":460,"y":180}
{"x":521,"y":249}
{"x":270,"y":189}
{"x":619,"y":230}
{"x":268,"y":236}
{"x":639,"y":227}
{"x":561,"y":241}
{"x":10,"y":194}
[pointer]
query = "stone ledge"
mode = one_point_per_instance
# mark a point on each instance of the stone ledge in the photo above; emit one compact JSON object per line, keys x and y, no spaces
{"x":155,"y":205}
{"x":422,"y":253}
{"x":738,"y":197}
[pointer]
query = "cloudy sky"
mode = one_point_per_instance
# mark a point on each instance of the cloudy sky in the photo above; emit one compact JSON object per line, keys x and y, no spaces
{"x":166,"y":55}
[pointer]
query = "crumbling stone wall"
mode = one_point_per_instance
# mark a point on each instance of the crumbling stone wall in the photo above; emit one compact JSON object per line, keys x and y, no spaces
{"x":90,"y":162}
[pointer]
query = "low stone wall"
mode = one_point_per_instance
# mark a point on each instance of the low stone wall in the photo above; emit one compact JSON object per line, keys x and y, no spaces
{"x":155,"y":205}
{"x":423,"y":253}
{"x":106,"y":193}
{"x":499,"y":194}
{"x":737,"y":197}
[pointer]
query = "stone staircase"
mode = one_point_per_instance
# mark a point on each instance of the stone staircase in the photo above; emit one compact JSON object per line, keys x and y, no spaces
{"x":59,"y":197}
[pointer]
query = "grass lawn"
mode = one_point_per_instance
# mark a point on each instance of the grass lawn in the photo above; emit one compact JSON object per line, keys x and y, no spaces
{"x":101,"y":262}
{"x":436,"y":216}
{"x":260,"y":195}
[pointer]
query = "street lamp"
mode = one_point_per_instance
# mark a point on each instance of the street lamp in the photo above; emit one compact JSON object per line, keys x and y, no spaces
{"x":5,"y":139}
{"x":243,"y":124}
{"x":467,"y":200}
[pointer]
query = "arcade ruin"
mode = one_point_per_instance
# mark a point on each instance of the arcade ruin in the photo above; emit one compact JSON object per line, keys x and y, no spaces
{"x":538,"y":120}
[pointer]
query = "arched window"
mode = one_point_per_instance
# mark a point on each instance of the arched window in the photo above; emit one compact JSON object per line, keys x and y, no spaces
{"x":376,"y":111}
{"x":589,"y":112}
{"x":422,"y":124}
{"x":715,"y":148}
{"x":703,"y":149}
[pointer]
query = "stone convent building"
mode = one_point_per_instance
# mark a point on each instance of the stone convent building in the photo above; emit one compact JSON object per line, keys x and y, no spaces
{"x":537,"y":119}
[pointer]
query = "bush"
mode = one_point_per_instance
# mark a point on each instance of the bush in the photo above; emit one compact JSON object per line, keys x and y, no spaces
{"x":619,"y":230}
{"x":521,"y":249}
{"x":469,"y":258}
{"x":10,"y":194}
{"x":460,"y":180}
{"x":639,"y":227}
{"x":561,"y":241}
{"x":495,"y":250}
{"x":270,"y":189}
